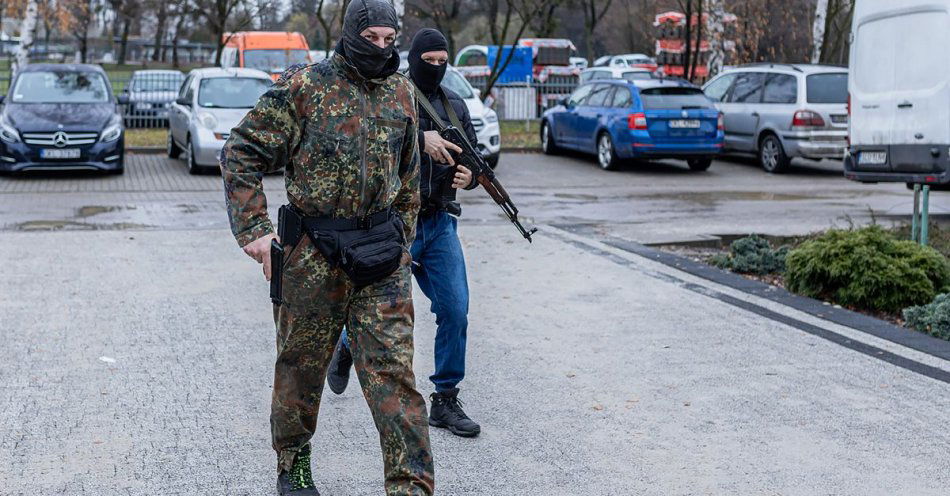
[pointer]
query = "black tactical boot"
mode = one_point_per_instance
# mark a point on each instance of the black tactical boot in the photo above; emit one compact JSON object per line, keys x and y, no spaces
{"x":339,"y":374}
{"x":298,"y":481}
{"x":447,"y":413}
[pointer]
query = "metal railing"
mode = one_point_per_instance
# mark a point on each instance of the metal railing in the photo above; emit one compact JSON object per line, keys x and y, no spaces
{"x":529,"y":99}
{"x":147,"y":96}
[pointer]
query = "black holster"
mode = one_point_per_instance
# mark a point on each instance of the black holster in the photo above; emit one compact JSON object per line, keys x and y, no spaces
{"x":367,"y":248}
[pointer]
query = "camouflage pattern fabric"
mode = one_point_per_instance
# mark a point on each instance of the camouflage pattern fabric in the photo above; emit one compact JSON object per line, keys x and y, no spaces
{"x":326,"y":125}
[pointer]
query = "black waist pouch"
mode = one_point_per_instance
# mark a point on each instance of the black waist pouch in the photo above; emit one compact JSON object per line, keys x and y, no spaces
{"x":367,"y":249}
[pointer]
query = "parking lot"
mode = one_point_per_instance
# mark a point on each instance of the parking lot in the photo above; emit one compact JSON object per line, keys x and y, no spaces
{"x":652,"y":202}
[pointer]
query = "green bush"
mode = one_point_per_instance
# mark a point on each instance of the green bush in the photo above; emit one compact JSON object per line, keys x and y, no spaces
{"x":932,"y":318}
{"x":868,"y":269}
{"x":752,"y":255}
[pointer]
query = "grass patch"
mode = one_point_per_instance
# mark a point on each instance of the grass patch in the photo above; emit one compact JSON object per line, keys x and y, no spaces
{"x":514,"y":134}
{"x":146,"y":137}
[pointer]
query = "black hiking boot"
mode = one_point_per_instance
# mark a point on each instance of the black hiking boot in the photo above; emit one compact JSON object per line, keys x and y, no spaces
{"x":298,"y":481}
{"x":338,"y":376}
{"x":447,"y":413}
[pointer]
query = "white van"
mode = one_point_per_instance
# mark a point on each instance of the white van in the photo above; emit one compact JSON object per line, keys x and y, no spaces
{"x":900,"y":92}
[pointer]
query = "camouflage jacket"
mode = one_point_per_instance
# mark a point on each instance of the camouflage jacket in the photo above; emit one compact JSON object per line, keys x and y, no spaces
{"x":348,"y":146}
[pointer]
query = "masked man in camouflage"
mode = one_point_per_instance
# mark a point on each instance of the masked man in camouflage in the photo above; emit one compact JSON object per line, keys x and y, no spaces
{"x":345,"y":132}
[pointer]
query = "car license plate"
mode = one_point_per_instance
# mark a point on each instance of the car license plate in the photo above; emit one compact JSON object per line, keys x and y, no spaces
{"x":53,"y":153}
{"x":872,"y":158}
{"x":684,"y":124}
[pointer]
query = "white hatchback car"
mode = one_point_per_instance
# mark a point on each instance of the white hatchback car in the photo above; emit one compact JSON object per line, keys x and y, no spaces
{"x":211,"y":101}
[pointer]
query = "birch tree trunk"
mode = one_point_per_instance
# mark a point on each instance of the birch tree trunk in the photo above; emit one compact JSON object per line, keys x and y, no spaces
{"x":818,"y":30}
{"x":27,"y":30}
{"x":716,"y":29}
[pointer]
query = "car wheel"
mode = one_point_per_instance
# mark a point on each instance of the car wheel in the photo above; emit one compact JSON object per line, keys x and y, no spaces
{"x":699,"y":164}
{"x":492,"y":161}
{"x":173,"y":150}
{"x":772,"y":155}
{"x":193,"y":168}
{"x":548,"y":146}
{"x":606,"y":156}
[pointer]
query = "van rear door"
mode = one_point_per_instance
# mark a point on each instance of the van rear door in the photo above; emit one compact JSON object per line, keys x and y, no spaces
{"x":899,"y":87}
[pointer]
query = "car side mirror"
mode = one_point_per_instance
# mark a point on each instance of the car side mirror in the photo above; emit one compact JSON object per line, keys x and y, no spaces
{"x":566,"y":102}
{"x":122,"y":99}
{"x":183,"y":101}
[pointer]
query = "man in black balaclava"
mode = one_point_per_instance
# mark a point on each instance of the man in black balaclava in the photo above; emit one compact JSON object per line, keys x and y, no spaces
{"x":438,"y":261}
{"x":345,"y":131}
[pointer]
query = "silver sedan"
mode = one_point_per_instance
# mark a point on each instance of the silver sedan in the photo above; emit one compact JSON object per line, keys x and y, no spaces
{"x":210,"y":103}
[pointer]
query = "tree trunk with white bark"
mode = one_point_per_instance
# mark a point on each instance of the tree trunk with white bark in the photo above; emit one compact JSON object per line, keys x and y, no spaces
{"x":27,"y":30}
{"x":716,"y":29}
{"x":818,"y":30}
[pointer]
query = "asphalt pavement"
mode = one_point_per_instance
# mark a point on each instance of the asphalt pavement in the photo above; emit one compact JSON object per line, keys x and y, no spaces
{"x":138,"y":346}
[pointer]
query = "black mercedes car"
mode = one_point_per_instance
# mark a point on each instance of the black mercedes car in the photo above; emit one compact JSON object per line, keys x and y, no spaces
{"x":58,"y":117}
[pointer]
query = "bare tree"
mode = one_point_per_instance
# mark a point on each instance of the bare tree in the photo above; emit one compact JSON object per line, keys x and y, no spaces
{"x":160,"y":7}
{"x":76,"y":17}
{"x":716,"y":28}
{"x":545,"y":22}
{"x":818,"y":30}
{"x":220,"y":17}
{"x":594,"y":11}
{"x":508,"y":10}
{"x":834,"y":46}
{"x":27,"y":27}
{"x":445,"y":14}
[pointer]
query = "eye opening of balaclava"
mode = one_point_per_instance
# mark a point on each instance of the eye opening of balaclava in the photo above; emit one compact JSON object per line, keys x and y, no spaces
{"x":426,"y":76}
{"x":371,"y":61}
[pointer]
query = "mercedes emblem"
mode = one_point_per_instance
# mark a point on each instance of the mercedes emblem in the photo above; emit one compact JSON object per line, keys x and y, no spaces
{"x":59,"y":139}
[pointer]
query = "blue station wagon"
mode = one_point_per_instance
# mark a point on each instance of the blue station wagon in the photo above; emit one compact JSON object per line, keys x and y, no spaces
{"x":648,"y":119}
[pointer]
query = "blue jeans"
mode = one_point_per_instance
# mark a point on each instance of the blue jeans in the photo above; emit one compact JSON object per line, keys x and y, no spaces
{"x":439,"y":267}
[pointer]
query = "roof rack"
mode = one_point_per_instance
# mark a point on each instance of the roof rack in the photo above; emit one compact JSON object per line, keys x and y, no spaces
{"x":772,"y":64}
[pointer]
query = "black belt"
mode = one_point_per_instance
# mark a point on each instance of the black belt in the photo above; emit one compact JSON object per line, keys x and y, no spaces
{"x":350,"y":224}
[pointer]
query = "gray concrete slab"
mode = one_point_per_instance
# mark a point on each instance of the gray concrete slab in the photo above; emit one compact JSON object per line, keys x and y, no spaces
{"x":138,"y":347}
{"x":588,"y":377}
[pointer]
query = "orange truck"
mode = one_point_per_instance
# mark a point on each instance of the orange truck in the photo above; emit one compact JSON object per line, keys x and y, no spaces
{"x":268,"y":51}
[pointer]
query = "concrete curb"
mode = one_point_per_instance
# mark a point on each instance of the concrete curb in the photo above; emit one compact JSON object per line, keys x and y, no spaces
{"x":858,"y":321}
{"x":145,"y":149}
{"x":522,"y":149}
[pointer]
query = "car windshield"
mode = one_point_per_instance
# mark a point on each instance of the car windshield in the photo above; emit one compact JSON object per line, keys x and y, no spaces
{"x":60,"y":87}
{"x":274,"y":60}
{"x":231,"y":92}
{"x":827,"y":88}
{"x":455,"y":82}
{"x":674,"y":98}
{"x":637,"y":75}
{"x":157,"y":82}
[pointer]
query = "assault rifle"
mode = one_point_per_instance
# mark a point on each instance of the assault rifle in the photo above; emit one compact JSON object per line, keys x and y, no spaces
{"x":481,"y":172}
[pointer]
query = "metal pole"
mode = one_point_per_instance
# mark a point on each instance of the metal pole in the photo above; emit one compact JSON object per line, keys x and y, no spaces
{"x":913,"y":221}
{"x":924,"y":216}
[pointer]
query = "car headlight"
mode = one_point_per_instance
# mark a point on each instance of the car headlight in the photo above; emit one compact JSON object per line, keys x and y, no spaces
{"x":8,"y":133}
{"x":207,"y":120}
{"x":491,"y":116}
{"x":113,"y":130}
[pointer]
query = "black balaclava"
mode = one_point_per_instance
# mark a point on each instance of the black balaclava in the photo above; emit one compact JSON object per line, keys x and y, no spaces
{"x":369,"y":60}
{"x":427,"y":76}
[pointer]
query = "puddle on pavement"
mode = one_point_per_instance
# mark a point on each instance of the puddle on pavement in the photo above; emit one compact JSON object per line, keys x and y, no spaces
{"x":90,"y":210}
{"x":68,"y":225}
{"x":188,"y":209}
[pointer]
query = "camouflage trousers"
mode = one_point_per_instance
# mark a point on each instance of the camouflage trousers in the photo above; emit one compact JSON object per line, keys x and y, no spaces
{"x":317,"y":302}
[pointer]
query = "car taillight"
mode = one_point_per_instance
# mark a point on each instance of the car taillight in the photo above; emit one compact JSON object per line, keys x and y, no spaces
{"x":807,"y":118}
{"x":848,"y":105}
{"x":637,"y":121}
{"x":720,"y":124}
